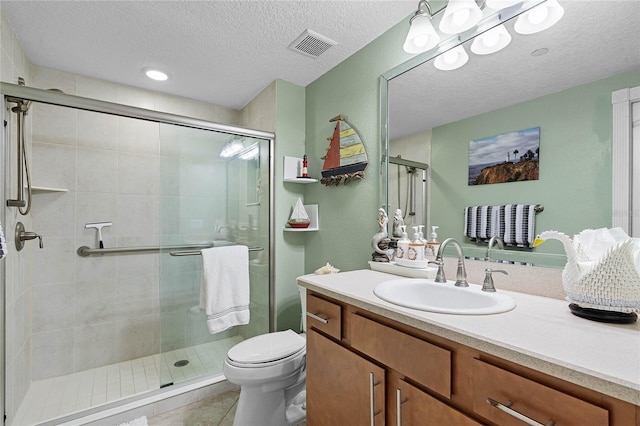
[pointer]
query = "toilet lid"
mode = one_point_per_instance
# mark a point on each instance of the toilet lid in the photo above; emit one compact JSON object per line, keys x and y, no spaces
{"x":267,"y":347}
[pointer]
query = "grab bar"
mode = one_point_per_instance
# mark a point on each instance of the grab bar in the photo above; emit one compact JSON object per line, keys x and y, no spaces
{"x":198,"y":252}
{"x":85,"y":251}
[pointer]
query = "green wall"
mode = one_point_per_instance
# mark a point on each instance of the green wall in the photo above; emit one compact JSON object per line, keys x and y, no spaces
{"x":348,"y":213}
{"x":289,"y":246}
{"x":575,"y":184}
{"x":575,"y":168}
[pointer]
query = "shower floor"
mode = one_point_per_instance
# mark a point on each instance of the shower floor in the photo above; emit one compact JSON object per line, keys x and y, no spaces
{"x":64,"y":395}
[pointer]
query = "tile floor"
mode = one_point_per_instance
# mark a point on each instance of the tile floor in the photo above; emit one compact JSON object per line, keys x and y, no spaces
{"x":216,"y":411}
{"x":64,"y":395}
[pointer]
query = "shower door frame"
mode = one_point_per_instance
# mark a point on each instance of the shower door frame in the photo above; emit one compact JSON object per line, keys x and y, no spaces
{"x":8,"y":90}
{"x":94,"y":105}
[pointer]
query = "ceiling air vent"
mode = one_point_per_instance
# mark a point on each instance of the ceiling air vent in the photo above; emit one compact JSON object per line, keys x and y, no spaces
{"x":311,"y":44}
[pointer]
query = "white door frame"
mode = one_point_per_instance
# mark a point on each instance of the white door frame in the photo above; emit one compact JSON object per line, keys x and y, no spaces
{"x":622,"y":213}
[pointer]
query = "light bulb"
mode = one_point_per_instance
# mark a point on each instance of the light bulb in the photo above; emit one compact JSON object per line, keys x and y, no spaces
{"x":421,"y":36}
{"x":538,"y":15}
{"x":451,"y":59}
{"x":491,"y":41}
{"x":539,"y":18}
{"x":421,"y":40}
{"x":460,"y":17}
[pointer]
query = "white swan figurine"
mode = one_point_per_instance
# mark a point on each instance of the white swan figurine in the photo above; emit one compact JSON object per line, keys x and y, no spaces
{"x":610,"y":282}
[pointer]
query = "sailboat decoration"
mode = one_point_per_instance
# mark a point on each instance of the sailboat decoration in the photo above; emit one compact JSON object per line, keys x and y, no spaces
{"x":346,"y":157}
{"x":299,"y":217}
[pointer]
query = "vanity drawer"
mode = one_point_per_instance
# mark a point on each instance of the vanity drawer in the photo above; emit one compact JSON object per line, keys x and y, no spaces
{"x":423,"y":362}
{"x":530,"y":399}
{"x":324,"y":316}
{"x":413,"y":407}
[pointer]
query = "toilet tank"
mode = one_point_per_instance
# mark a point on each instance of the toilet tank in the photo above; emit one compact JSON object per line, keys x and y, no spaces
{"x":303,"y":303}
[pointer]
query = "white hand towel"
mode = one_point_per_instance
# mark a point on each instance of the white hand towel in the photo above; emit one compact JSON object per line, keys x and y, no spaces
{"x":224,"y":291}
{"x":3,"y":244}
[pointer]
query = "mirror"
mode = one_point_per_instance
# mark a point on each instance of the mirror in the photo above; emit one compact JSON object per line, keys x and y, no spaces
{"x":560,"y":80}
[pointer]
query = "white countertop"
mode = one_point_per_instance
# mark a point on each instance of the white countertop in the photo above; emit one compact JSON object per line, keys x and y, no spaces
{"x":540,"y":333}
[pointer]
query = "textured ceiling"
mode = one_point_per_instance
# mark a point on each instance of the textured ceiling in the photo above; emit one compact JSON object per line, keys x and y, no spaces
{"x":594,"y":40}
{"x":223,"y":52}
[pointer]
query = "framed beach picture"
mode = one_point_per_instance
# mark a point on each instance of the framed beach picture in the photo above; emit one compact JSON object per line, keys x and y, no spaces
{"x":509,"y":157}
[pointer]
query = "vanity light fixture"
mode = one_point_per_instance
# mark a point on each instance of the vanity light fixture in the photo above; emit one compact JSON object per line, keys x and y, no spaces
{"x":452,"y":59}
{"x":462,"y":15}
{"x":239,"y":147}
{"x":422,"y":36}
{"x":155,"y":74}
{"x":501,"y":4}
{"x":250,"y":153}
{"x":234,"y":146}
{"x":459,"y":16}
{"x":539,"y":18}
{"x":495,"y":39}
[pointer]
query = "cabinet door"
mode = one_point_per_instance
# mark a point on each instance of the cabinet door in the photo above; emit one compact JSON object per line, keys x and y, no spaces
{"x":415,"y":407}
{"x":342,"y":387}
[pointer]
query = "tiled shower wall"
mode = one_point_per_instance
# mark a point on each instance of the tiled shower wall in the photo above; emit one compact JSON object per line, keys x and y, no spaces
{"x":142,"y":177}
{"x":14,"y":64}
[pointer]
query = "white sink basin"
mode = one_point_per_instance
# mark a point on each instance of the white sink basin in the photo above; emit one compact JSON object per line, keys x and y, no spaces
{"x":427,"y":295}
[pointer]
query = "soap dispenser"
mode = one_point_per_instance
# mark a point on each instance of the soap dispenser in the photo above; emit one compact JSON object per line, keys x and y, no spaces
{"x":403,"y":244}
{"x":416,"y":247}
{"x":433,"y":242}
{"x":427,"y":249}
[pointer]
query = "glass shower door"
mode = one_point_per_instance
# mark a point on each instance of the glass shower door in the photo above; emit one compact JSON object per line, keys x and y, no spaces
{"x":208,"y":200}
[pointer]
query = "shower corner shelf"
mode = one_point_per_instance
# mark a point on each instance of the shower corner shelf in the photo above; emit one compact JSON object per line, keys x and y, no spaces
{"x":292,"y":167}
{"x":312,"y":211}
{"x":45,"y":189}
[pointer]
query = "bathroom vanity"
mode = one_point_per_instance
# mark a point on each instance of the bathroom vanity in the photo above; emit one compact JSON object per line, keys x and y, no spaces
{"x":372,"y":362}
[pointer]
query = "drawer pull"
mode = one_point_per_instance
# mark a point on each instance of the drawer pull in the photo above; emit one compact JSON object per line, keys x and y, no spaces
{"x":372,"y":411}
{"x":318,"y":318}
{"x":505,"y":408}
{"x":399,"y":402}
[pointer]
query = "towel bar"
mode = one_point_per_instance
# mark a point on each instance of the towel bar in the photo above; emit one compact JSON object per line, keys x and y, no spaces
{"x":198,"y":252}
{"x":85,"y":251}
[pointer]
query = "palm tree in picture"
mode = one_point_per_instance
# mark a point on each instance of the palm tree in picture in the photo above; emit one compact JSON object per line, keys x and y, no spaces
{"x":515,"y":155}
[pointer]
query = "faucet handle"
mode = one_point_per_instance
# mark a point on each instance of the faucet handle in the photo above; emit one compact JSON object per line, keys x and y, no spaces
{"x":488,"y":279}
{"x":440,"y":278}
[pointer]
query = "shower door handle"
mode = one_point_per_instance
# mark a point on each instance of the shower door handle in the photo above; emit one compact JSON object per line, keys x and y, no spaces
{"x":22,"y":236}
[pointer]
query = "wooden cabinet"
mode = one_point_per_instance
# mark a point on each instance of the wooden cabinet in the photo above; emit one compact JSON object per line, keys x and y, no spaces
{"x":503,"y":397}
{"x":365,"y":369}
{"x":416,"y":407}
{"x":343,"y":388}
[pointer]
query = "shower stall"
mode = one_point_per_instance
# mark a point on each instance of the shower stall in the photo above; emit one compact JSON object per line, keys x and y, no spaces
{"x":102,"y":277}
{"x":408,"y":191}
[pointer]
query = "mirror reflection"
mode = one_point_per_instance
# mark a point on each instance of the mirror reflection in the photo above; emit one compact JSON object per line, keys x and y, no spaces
{"x":559,"y":80}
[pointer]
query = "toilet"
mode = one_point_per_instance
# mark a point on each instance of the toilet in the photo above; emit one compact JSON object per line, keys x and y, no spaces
{"x":271,"y":372}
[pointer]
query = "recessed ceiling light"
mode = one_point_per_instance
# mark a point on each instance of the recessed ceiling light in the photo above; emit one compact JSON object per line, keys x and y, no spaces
{"x":155,"y":74}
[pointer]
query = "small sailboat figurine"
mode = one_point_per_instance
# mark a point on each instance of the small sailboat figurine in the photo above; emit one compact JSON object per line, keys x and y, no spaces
{"x":346,"y":157}
{"x":299,"y":217}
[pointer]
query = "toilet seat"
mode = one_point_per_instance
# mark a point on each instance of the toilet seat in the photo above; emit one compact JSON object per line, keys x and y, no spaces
{"x":267,"y":349}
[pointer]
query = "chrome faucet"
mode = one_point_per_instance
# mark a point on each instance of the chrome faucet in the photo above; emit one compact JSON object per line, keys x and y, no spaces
{"x":494,"y":240}
{"x":461,"y":274}
{"x":488,"y":279}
